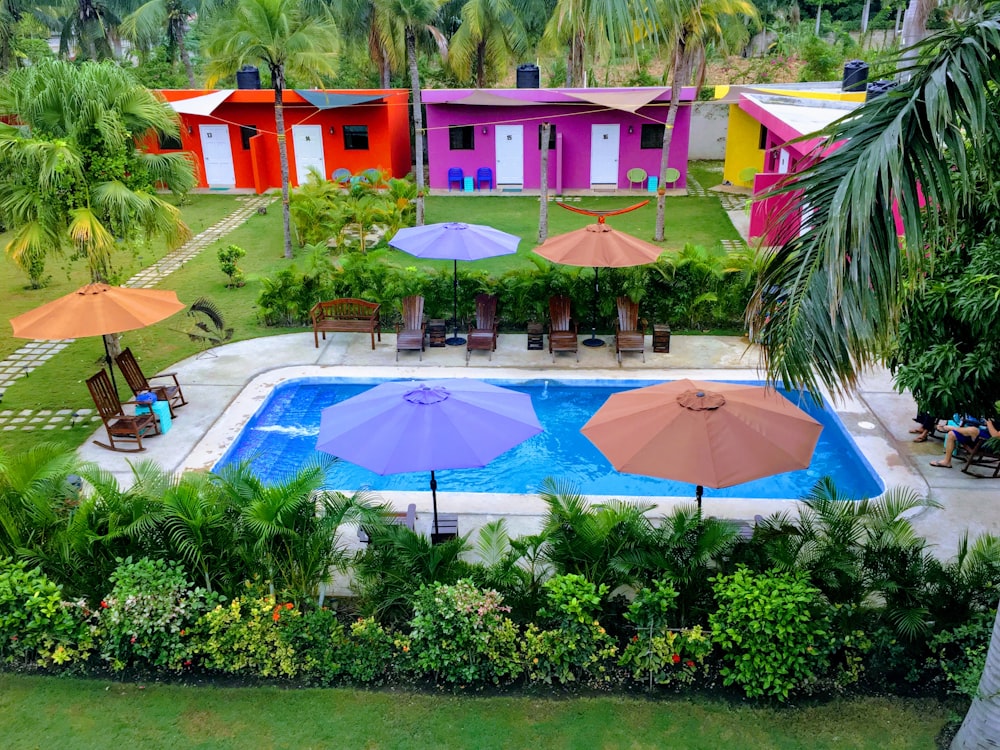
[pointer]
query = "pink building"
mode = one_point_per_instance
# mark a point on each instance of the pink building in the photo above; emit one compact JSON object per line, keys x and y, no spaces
{"x":493,"y":136}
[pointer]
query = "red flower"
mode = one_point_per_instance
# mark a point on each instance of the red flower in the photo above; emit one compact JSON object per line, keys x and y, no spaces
{"x":187,"y":663}
{"x":635,"y":639}
{"x":277,"y":614}
{"x":104,"y":604}
{"x":132,"y":640}
{"x":676,"y":658}
{"x":289,"y":605}
{"x":13,"y":637}
{"x":689,"y":663}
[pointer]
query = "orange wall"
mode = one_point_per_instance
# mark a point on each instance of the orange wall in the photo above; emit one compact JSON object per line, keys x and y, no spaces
{"x":388,"y":133}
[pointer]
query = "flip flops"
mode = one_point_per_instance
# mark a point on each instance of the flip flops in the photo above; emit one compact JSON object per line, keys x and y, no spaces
{"x":940,"y":465}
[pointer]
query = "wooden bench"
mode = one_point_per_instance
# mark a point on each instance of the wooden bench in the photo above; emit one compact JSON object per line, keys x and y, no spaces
{"x":346,"y":316}
{"x":447,"y":528}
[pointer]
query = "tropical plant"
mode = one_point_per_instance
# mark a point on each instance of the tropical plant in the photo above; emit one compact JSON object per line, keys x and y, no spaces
{"x":248,"y":635}
{"x":212,"y":330}
{"x":491,"y":35}
{"x":290,"y":38}
{"x":75,"y":178}
{"x":360,"y":214}
{"x":229,"y":257}
{"x":154,"y":19}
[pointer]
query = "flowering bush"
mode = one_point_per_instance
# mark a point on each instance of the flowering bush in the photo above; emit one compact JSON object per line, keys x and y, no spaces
{"x":370,"y":652}
{"x":149,"y":613}
{"x":459,"y":634}
{"x":247,"y":636}
{"x":773,"y":631}
{"x":319,"y":639}
{"x":35,"y":622}
{"x":574,"y":646}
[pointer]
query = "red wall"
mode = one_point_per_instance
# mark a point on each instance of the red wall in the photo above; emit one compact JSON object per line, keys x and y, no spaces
{"x":259,"y":167}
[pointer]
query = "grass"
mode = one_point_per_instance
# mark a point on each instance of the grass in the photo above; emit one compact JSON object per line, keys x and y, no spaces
{"x":60,"y":383}
{"x":54,"y":712}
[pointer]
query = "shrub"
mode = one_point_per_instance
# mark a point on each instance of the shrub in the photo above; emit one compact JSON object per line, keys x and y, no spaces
{"x":35,"y":623}
{"x":574,"y":646}
{"x":246,"y":636}
{"x":228,"y":258}
{"x":960,"y":654}
{"x":773,"y":631}
{"x":149,"y":613}
{"x":320,"y":641}
{"x":460,"y":634}
{"x":370,"y":652}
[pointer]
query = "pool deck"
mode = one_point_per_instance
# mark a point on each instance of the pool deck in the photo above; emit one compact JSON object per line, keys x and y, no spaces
{"x":226,"y":389}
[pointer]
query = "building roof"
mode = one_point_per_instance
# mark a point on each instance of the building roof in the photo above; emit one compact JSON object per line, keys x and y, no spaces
{"x":790,"y":118}
{"x":625,"y":99}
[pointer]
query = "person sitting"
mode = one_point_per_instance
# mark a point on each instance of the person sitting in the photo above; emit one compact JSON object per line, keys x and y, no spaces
{"x":967,"y":434}
{"x":926,"y":429}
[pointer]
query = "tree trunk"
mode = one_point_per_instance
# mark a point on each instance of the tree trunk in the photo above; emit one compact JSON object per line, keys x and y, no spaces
{"x":668,"y":131}
{"x":543,"y":206}
{"x":819,"y":14}
{"x":865,"y":15}
{"x":481,"y":65}
{"x":379,"y":56}
{"x":182,"y":51}
{"x":278,"y":81}
{"x":981,"y":728}
{"x":914,"y":30}
{"x":418,"y":121}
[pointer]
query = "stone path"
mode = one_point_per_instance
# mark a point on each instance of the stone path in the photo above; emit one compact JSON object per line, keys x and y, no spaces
{"x":33,"y":355}
{"x":733,"y":202}
{"x":695,"y":188}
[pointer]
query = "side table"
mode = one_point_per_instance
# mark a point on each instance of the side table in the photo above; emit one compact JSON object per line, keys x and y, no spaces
{"x":436,"y":332}
{"x":535,"y":334}
{"x":661,"y":338}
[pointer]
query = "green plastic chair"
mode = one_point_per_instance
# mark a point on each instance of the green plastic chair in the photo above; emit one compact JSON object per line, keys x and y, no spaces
{"x":670,"y":176}
{"x":636,"y":174}
{"x":747,"y":174}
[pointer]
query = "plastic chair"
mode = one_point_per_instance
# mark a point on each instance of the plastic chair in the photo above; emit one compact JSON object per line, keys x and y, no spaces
{"x":636,"y":174}
{"x":455,"y":175}
{"x":341,"y":175}
{"x":671,"y":176}
{"x":484,"y":173}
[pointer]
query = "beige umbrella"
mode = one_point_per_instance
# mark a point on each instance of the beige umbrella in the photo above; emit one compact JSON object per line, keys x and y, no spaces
{"x":598,"y":245}
{"x":707,"y":434}
{"x":96,"y":310}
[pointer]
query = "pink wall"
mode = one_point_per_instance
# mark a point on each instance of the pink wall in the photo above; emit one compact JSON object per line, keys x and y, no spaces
{"x":572,"y":120}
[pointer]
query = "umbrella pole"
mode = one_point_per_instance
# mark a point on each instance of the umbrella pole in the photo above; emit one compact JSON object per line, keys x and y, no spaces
{"x":111,"y":369}
{"x":697,"y":496}
{"x":434,"y":500}
{"x":455,"y":340}
{"x":593,"y":340}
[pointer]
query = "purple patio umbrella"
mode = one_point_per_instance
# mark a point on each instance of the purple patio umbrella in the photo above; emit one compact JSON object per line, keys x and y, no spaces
{"x":429,"y":425}
{"x":454,"y":241}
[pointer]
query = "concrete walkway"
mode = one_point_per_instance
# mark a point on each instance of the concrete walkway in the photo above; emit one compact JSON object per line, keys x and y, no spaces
{"x":226,"y":390}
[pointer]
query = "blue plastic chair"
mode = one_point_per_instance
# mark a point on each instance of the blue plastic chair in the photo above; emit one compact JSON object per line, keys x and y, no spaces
{"x":455,"y":175}
{"x":484,"y":174}
{"x":341,"y":175}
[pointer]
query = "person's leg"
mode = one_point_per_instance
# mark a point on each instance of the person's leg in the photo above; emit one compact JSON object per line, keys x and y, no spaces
{"x":951,"y":441}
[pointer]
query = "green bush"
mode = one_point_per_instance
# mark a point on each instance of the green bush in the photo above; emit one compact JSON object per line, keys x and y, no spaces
{"x":462,"y":635}
{"x":229,"y":257}
{"x":149,"y":614}
{"x":320,"y":641}
{"x":772,"y":629}
{"x":960,"y":654}
{"x":246,"y":637}
{"x":35,"y":623}
{"x":573,"y":646}
{"x":371,"y":651}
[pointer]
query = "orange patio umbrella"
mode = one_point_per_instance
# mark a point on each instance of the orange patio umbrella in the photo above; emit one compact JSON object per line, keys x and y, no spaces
{"x":703,"y":433}
{"x":600,"y":246}
{"x":96,"y":310}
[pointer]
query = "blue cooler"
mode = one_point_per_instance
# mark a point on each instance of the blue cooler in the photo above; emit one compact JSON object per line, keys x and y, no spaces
{"x":147,"y":401}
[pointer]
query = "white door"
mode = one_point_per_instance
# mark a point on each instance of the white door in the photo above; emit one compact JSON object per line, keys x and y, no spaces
{"x":510,"y":155}
{"x":307,"y":140}
{"x":218,"y":155}
{"x":783,"y":161}
{"x":604,"y":154}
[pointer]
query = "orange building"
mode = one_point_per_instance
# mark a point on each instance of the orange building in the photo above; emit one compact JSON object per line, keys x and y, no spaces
{"x":233,"y":137}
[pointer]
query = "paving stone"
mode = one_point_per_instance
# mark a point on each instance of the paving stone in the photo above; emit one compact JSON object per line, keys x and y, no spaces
{"x":9,"y":427}
{"x":25,"y":413}
{"x":49,"y":427}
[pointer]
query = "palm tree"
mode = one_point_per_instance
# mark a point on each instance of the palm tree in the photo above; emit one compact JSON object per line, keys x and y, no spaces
{"x":289,"y":41}
{"x":78,"y":180}
{"x":413,"y":16}
{"x":491,"y":35}
{"x":148,"y":22}
{"x":689,"y":27}
{"x":366,"y":22}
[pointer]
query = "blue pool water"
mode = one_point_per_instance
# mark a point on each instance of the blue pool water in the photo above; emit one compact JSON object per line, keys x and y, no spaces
{"x":281,"y":437}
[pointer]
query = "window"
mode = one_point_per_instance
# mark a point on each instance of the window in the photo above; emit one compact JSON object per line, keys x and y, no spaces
{"x":169,"y":142}
{"x":246,"y":133}
{"x":552,"y":137}
{"x":356,"y":137}
{"x":652,"y":136}
{"x":762,"y":138}
{"x":462,"y":138}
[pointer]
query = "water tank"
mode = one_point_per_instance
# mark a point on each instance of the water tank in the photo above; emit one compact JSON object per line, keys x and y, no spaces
{"x":528,"y":76}
{"x":248,"y":77}
{"x":855,"y":75}
{"x":878,"y":88}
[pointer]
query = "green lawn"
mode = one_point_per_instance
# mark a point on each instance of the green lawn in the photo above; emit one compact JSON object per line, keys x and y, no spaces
{"x":48,"y":712}
{"x":60,"y":383}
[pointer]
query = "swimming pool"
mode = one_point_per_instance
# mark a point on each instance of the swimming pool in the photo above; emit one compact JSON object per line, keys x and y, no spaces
{"x":281,"y":437}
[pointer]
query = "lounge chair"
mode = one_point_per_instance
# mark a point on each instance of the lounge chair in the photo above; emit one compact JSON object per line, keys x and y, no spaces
{"x":407,"y":519}
{"x":629,"y":335}
{"x":137,"y":382}
{"x":411,"y":332}
{"x":483,"y":337}
{"x":562,"y":328}
{"x":982,"y":454}
{"x":129,"y":428}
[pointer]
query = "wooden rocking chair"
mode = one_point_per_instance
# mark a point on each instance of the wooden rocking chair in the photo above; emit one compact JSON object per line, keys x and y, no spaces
{"x":129,"y":428}
{"x":562,"y":328}
{"x":629,"y":336}
{"x":483,"y":337}
{"x":411,"y":333}
{"x":138,"y":382}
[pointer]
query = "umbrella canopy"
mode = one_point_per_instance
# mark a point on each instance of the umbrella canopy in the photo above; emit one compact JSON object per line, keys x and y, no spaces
{"x":454,"y":241}
{"x":707,"y":434}
{"x":598,"y":245}
{"x":96,"y":310}
{"x":404,"y":426}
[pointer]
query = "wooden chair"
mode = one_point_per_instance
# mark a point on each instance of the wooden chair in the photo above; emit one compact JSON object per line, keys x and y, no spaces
{"x":407,"y":519}
{"x":138,"y":382}
{"x":129,"y":428}
{"x":483,"y":337}
{"x":629,"y":335}
{"x":982,"y":455}
{"x":411,"y":333}
{"x":562,"y":328}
